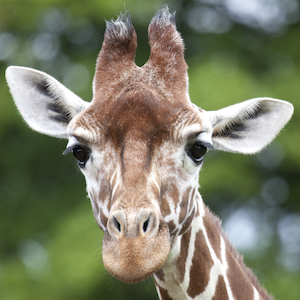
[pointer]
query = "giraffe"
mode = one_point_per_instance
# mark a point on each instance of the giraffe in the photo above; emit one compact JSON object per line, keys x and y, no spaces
{"x":140,"y":144}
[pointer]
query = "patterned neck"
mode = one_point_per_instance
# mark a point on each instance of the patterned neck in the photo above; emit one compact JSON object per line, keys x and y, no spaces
{"x":203,"y":265}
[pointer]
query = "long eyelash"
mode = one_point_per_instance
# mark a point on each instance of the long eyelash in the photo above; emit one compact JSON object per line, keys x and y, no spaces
{"x":68,"y":150}
{"x":207,"y":145}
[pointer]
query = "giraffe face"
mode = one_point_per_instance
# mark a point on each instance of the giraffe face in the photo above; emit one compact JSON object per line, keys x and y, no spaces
{"x":133,"y":161}
{"x":132,"y":155}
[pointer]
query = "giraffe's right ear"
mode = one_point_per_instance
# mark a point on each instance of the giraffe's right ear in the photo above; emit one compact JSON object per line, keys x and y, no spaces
{"x":45,"y":104}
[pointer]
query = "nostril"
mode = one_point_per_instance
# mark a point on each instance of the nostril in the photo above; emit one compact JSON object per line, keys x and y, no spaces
{"x":146,"y":225}
{"x":117,"y":224}
{"x":147,"y":222}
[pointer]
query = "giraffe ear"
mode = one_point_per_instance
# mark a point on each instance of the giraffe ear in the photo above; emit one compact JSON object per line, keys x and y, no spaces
{"x":249,"y":126}
{"x":46,"y":105}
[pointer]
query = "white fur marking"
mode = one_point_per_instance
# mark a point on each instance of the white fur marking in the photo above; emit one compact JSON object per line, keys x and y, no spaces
{"x":256,"y":294}
{"x":85,"y":134}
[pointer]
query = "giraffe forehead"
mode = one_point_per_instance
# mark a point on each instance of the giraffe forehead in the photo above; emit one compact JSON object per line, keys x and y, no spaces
{"x":135,"y":113}
{"x":138,"y":108}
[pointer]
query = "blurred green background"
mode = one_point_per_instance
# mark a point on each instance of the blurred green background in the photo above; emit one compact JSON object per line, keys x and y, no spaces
{"x":50,"y":246}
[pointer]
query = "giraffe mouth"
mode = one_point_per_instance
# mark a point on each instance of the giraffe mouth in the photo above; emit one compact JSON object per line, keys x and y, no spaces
{"x":134,"y":258}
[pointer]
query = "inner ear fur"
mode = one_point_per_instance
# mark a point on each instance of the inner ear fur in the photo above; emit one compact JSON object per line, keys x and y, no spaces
{"x":46,"y":105}
{"x":249,"y":126}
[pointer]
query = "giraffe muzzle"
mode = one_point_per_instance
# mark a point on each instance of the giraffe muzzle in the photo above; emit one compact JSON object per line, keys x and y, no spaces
{"x":135,"y":245}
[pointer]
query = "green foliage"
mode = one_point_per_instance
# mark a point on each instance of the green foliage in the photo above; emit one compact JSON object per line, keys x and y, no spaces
{"x":50,"y":246}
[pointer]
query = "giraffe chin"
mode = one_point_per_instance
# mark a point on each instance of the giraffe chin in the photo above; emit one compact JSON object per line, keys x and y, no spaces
{"x":133,"y":259}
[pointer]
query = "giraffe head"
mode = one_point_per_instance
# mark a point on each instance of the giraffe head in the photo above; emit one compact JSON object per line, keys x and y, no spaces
{"x":140,"y":142}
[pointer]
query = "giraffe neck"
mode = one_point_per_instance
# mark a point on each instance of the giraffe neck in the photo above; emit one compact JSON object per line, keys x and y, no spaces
{"x":203,"y":265}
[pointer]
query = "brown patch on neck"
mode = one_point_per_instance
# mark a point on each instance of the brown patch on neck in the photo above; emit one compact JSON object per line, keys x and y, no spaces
{"x":201,"y":265}
{"x":187,"y":223}
{"x":241,"y":279}
{"x":240,"y":285}
{"x":210,"y":221}
{"x":181,"y":261}
{"x":221,"y":291}
{"x":160,"y":275}
{"x":184,"y":204}
{"x":164,"y":294}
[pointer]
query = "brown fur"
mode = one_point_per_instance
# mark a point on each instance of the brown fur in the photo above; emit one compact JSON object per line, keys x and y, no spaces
{"x":213,"y":234}
{"x":239,"y":262}
{"x":221,"y":293}
{"x":201,"y":265}
{"x":164,"y":294}
{"x":183,"y":255}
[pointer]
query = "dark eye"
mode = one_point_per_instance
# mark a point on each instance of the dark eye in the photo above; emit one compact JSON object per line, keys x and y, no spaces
{"x":196,"y":151}
{"x":81,"y":154}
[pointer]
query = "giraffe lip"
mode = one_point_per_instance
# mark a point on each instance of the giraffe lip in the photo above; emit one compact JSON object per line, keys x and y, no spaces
{"x":133,"y":259}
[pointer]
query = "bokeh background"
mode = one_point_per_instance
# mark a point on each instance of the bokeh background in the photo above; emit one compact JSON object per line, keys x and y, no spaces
{"x":50,"y":246}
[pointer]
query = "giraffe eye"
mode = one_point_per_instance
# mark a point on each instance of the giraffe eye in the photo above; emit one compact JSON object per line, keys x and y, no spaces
{"x":196,"y":151}
{"x":81,"y":154}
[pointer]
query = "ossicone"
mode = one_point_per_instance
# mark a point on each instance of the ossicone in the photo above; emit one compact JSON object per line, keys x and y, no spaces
{"x":120,"y":42}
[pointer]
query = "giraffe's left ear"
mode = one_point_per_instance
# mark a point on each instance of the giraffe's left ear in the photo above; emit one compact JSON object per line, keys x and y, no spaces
{"x":46,"y":105}
{"x":249,"y":126}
